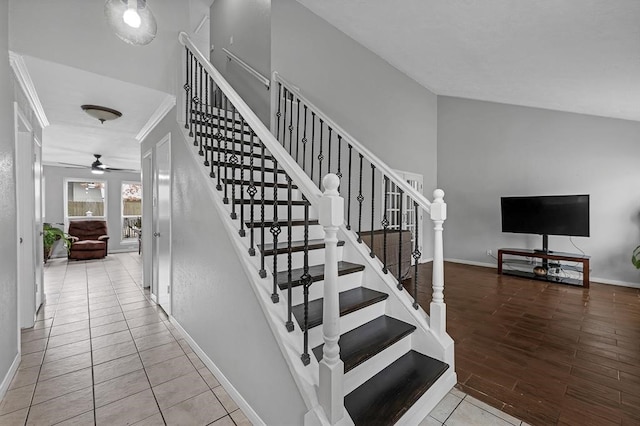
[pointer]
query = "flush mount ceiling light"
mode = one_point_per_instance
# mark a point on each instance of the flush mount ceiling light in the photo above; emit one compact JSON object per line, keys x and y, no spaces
{"x":101,"y":113}
{"x":131,"y":20}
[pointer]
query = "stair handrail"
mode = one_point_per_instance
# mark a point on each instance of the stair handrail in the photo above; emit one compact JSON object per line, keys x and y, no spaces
{"x":368,"y":155}
{"x":304,"y":183}
{"x":248,"y":68}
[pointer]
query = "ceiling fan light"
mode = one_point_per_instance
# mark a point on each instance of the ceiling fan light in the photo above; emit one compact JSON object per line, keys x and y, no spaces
{"x":97,"y":171}
{"x":132,"y":21}
{"x":101,"y":113}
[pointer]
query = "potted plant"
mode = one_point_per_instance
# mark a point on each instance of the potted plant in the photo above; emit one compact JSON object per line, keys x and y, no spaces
{"x":51,"y":234}
{"x":635,"y":257}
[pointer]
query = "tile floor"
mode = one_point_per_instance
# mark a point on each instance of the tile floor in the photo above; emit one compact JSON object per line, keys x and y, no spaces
{"x":101,"y":353}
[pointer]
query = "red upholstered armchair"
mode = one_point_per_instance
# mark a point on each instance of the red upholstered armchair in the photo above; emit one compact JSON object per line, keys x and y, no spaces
{"x":89,"y":239}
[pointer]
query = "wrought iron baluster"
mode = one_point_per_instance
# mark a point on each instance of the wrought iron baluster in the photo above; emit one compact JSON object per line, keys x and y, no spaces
{"x":251,"y":190}
{"x":416,"y":257}
{"x":201,"y":111}
{"x":289,"y":323}
{"x":192,"y":95}
{"x":320,"y":156}
{"x":225,"y":199}
{"x":306,"y":281}
{"x":297,"y":129}
{"x":373,"y":205}
{"x":290,"y":125}
{"x":213,"y":130}
{"x":284,"y":121}
{"x":207,"y":119}
{"x":263,"y":271}
{"x":304,"y":141}
{"x":329,"y":150}
{"x":278,"y":113}
{"x":360,"y":199}
{"x":385,"y":225}
{"x":401,"y":196}
{"x":241,"y":144}
{"x":186,"y":87}
{"x":219,"y":137}
{"x":313,"y":139}
{"x":339,"y":172}
{"x":349,"y":191}
{"x":275,"y":230}
{"x":234,"y":162}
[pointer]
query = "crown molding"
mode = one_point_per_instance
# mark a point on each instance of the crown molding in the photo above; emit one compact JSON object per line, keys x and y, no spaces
{"x":24,"y":79}
{"x":162,"y":110}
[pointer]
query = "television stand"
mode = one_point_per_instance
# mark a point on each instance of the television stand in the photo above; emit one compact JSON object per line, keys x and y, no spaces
{"x":544,"y":258}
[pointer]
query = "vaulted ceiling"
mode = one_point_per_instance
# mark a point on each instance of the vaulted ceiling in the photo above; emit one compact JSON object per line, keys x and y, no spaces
{"x":571,"y":55}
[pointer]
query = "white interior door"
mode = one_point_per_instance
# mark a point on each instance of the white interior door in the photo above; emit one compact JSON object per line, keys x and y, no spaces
{"x":407,"y":216}
{"x":26,"y":224}
{"x":162,"y":225}
{"x":38,"y":219}
{"x":148,"y":203}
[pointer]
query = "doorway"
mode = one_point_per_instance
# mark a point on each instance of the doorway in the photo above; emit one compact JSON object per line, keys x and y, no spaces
{"x":161,"y":235}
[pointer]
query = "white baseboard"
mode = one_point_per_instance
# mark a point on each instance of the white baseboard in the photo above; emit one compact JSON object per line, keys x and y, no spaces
{"x":591,"y":279}
{"x":4,"y":386}
{"x":231,"y":390}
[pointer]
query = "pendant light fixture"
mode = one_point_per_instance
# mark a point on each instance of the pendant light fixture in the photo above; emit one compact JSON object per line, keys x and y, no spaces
{"x":131,"y":20}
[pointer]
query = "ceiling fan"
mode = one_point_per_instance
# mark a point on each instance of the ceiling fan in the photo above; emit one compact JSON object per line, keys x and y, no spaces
{"x":98,"y":168}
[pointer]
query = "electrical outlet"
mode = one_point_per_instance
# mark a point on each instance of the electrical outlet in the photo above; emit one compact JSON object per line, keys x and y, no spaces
{"x":489,"y":252}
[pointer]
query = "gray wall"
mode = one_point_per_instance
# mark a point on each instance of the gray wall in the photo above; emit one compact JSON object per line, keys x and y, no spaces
{"x":54,"y":200}
{"x":249,"y":23}
{"x":488,"y":150}
{"x":8,"y":260}
{"x":385,"y":110}
{"x":211,"y":296}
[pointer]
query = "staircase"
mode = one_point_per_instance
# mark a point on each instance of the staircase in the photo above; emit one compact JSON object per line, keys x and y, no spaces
{"x":396,"y":364}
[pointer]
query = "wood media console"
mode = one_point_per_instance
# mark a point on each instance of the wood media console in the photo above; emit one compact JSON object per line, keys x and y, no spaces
{"x":549,"y":261}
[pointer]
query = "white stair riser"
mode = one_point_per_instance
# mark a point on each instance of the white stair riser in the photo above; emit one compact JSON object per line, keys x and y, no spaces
{"x":349,"y":322}
{"x":376,"y":364}
{"x":316,"y":257}
{"x":315,"y":233}
{"x":316,"y":291}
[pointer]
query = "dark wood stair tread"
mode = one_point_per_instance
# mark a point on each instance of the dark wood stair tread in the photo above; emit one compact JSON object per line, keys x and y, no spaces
{"x":268,"y":223}
{"x":268,"y":203}
{"x":296,"y":246}
{"x":386,"y":397}
{"x":316,"y":272}
{"x":362,"y":343}
{"x":257,"y":183}
{"x":350,"y":301}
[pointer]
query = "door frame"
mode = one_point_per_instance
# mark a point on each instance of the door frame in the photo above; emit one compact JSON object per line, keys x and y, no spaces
{"x":148,"y":201}
{"x":156,"y":229}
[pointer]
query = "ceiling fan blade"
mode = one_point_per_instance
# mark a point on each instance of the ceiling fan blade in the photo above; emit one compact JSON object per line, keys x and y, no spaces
{"x":113,"y":169}
{"x":78,"y":166}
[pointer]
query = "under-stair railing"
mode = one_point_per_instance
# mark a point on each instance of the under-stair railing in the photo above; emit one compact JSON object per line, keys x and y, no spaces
{"x":232,"y":139}
{"x":376,"y":194}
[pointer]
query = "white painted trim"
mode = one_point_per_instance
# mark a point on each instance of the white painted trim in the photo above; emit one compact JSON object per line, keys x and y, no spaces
{"x":6,"y":381}
{"x":231,"y":390}
{"x":26,"y":83}
{"x":597,"y":280}
{"x":157,"y":116}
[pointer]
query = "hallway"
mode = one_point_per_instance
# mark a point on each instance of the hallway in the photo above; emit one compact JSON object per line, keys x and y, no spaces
{"x":102,"y":353}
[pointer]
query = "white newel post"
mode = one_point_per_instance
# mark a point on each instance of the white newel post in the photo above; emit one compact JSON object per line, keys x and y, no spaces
{"x":438,"y":309}
{"x":331,"y":393}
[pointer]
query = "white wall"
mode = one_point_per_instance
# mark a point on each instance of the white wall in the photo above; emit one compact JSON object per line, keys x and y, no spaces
{"x":211,"y":296}
{"x":8,"y":260}
{"x":488,"y":150}
{"x":54,"y":200}
{"x":249,"y":23}
{"x":75,"y":33}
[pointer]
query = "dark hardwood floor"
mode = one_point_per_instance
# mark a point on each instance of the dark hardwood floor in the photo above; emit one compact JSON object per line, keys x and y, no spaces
{"x":549,"y":354}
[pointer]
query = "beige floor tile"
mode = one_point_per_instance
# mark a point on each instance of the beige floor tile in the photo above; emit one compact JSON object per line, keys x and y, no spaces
{"x":69,"y":328}
{"x":104,"y":305}
{"x":107,"y":319}
{"x":31,"y":360}
{"x":145,"y":320}
{"x":240,"y":419}
{"x":120,"y":387}
{"x":111,"y":339}
{"x":112,"y":352}
{"x":128,"y":410}
{"x":161,"y":353}
{"x":114,"y":327}
{"x":148,"y":329}
{"x":42,"y":324}
{"x":197,"y":362}
{"x":209,"y":377}
{"x":68,"y":338}
{"x":66,"y":351}
{"x":142,"y":312}
{"x":430,"y":421}
{"x":180,"y":389}
{"x":67,"y":311}
{"x":86,"y":419}
{"x":199,"y":410}
{"x":155,"y":420}
{"x":16,"y":399}
{"x":135,"y":302}
{"x":457,"y":393}
{"x":62,"y":408}
{"x":118,"y":367}
{"x":24,"y":377}
{"x":224,"y":421}
{"x":15,"y":418}
{"x":58,"y":386}
{"x":493,"y":410}
{"x":97,"y":313}
{"x":34,"y":346}
{"x":168,"y":370}
{"x":185,"y":346}
{"x":469,"y":414}
{"x":65,"y":365}
{"x":61,"y":320}
{"x":445,"y":407}
{"x":228,"y":403}
{"x":31,"y":335}
{"x":151,"y":341}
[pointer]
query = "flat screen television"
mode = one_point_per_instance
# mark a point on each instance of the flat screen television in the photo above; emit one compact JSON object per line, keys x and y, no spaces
{"x":546,"y":215}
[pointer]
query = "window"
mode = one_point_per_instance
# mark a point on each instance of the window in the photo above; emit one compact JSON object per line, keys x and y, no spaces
{"x":131,"y":211}
{"x":85,"y":198}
